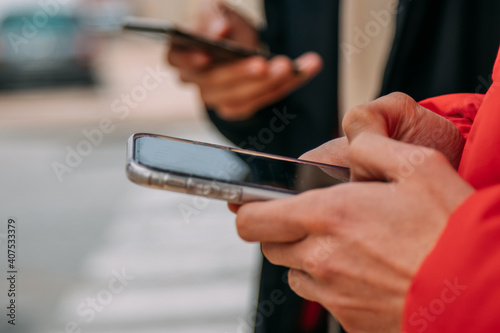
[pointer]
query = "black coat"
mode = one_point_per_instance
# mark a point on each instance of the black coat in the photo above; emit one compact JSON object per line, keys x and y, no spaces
{"x":440,"y":47}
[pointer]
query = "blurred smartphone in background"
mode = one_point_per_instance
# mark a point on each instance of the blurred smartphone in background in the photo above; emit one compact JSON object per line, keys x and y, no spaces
{"x":219,"y":50}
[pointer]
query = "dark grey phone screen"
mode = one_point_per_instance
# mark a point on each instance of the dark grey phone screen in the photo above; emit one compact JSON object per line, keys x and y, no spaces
{"x":229,"y":166}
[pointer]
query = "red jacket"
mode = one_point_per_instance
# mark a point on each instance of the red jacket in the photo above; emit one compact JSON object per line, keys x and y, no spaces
{"x":457,"y":289}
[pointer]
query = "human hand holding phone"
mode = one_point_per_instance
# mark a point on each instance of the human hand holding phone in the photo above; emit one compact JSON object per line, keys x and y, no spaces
{"x":237,"y":90}
{"x":349,"y":246}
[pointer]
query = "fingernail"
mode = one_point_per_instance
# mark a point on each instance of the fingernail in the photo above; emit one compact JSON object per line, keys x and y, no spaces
{"x":216,"y":27}
{"x":255,"y":68}
{"x":307,"y":63}
{"x":278,"y":68}
{"x":304,"y":65}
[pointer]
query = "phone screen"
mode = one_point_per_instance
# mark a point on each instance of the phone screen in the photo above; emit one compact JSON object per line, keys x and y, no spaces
{"x":233,"y":166}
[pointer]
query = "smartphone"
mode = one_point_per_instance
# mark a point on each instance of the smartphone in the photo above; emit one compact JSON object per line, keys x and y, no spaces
{"x":219,"y":50}
{"x":231,"y":174}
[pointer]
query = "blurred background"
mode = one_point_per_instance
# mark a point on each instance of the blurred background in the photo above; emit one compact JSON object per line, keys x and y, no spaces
{"x":96,"y":253}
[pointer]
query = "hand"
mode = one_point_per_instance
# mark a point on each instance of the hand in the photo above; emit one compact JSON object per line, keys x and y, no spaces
{"x":355,"y":247}
{"x":237,"y":90}
{"x":396,"y":116}
{"x":399,"y":117}
{"x":215,"y":21}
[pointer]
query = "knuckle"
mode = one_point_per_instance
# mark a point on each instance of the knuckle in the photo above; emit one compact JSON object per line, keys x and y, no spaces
{"x":323,"y":219}
{"x":243,"y":226}
{"x":176,"y":58}
{"x":357,"y":112}
{"x":209,"y":98}
{"x":404,"y":102}
{"x":226,"y":112}
{"x":434,"y":156}
{"x":184,"y":78}
{"x":320,"y":268}
{"x":356,"y":151}
{"x":328,"y":271}
{"x":205,"y":79}
{"x":295,"y":279}
{"x":357,"y":117}
{"x":232,"y":113}
{"x":399,"y":95}
{"x":318,"y":224}
{"x":171,"y":58}
{"x":267,"y":251}
{"x":399,"y":99}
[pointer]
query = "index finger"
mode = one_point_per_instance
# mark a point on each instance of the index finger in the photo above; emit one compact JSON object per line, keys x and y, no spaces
{"x":188,"y":59}
{"x":285,"y":220}
{"x":229,"y":73}
{"x":258,"y":222}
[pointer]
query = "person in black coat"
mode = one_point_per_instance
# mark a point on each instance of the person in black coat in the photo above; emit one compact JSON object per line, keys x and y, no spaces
{"x":434,"y":45}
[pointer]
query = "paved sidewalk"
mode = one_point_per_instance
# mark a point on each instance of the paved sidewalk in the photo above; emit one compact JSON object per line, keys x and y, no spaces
{"x":194,"y":276}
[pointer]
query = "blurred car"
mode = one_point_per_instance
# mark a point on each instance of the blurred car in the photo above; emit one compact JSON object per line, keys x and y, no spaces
{"x":37,"y":50}
{"x":106,"y":17}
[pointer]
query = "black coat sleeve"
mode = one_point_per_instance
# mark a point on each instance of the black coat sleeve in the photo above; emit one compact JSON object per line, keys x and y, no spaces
{"x":443,"y":47}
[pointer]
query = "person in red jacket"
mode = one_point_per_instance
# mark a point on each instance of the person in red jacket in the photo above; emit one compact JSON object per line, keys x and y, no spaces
{"x":413,"y":243}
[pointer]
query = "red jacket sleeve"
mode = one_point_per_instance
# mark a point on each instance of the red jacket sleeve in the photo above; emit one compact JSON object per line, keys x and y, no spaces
{"x":456,"y":289}
{"x":460,"y":109}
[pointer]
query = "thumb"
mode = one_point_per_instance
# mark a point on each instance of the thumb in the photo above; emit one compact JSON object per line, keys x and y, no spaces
{"x":333,"y":152}
{"x":375,"y":157}
{"x":220,"y":25}
{"x":238,"y":27}
{"x":212,"y":21}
